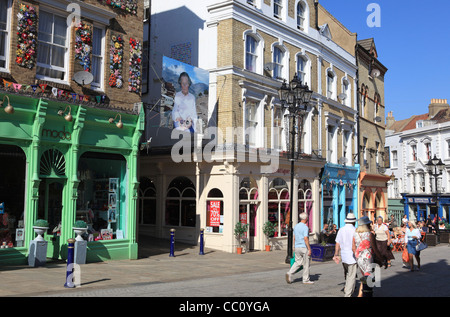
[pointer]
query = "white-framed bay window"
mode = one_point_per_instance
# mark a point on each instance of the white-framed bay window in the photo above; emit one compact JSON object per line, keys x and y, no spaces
{"x":52,"y":53}
{"x":5,"y":31}
{"x":98,"y":54}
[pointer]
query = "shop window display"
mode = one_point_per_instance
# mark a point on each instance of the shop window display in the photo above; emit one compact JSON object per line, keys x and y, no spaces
{"x":101,"y":195}
{"x":12,"y":196}
{"x":279,"y":206}
{"x":181,"y":203}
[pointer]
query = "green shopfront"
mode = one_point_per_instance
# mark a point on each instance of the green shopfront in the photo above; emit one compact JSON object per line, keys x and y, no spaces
{"x":62,"y":171}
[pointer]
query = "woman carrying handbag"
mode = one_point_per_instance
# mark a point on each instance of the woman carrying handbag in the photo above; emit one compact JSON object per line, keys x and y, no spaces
{"x":412,"y":238}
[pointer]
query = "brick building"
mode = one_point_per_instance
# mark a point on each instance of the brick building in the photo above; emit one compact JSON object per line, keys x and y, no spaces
{"x":69,"y":136}
{"x":373,"y":181}
{"x":249,"y":48}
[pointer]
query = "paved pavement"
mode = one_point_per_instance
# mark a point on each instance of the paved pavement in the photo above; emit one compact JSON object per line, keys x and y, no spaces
{"x":219,"y":274}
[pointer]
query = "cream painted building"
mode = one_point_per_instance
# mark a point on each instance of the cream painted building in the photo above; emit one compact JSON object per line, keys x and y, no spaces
{"x":249,"y":48}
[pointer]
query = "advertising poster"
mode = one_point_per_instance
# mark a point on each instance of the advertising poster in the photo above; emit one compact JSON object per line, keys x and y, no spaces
{"x":180,"y":106}
{"x":214,"y":213}
{"x":184,"y":96}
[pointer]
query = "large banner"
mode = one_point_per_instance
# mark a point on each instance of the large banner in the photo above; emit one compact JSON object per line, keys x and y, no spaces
{"x":184,"y":96}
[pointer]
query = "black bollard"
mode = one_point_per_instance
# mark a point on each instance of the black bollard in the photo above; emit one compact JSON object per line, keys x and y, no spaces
{"x":69,"y":271}
{"x":172,"y":243}
{"x":201,"y":242}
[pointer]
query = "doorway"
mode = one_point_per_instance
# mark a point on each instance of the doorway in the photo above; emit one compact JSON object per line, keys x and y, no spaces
{"x":50,"y":208}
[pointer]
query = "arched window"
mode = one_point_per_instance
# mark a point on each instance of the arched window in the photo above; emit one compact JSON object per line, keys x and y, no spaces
{"x":331,"y":84}
{"x":147,"y":202}
{"x":214,"y":211}
{"x":279,"y":57}
{"x":253,"y":48}
{"x":278,"y":209}
{"x":181,"y":203}
{"x":300,"y":15}
{"x":303,"y":68}
{"x":347,"y":90}
{"x":251,"y":54}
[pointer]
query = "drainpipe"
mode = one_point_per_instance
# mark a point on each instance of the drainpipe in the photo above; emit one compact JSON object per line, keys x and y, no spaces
{"x":316,"y":7}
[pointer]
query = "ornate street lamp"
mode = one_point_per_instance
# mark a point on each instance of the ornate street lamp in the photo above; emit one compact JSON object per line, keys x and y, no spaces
{"x":435,"y":168}
{"x":295,"y":98}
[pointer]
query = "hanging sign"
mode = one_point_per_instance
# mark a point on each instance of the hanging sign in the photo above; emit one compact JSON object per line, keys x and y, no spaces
{"x":214,"y":213}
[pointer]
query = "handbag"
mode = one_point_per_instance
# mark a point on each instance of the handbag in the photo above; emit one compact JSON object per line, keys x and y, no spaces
{"x":421,"y":246}
{"x":405,"y":256}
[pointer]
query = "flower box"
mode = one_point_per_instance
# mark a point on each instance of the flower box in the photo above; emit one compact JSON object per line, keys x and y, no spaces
{"x":321,"y":253}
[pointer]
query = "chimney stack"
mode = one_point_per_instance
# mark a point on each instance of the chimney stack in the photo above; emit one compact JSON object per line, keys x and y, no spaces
{"x":437,"y":105}
{"x":390,"y":120}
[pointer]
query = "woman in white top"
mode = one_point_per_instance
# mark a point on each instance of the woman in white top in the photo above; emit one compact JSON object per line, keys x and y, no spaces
{"x":383,"y":240}
{"x":184,"y":113}
{"x":412,"y":238}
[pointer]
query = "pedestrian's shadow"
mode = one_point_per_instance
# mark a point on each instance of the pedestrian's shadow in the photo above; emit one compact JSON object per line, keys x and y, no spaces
{"x":312,"y":278}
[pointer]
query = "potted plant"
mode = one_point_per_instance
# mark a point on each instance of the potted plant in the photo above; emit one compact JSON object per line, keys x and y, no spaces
{"x":239,"y":230}
{"x":269,"y":229}
{"x":80,"y":227}
{"x":39,"y":227}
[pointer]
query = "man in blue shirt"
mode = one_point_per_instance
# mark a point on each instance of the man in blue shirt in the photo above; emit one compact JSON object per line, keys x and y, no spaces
{"x":302,"y":250}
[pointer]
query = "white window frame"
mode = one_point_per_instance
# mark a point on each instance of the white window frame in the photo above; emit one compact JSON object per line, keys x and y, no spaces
{"x":348,"y":91}
{"x":394,"y":158}
{"x":249,"y":54}
{"x":301,"y":17}
{"x":413,"y":152}
{"x":65,"y":69}
{"x":331,"y":144}
{"x":331,"y":87}
{"x":428,"y":150}
{"x":253,"y":137}
{"x":283,"y":63}
{"x":280,"y":137}
{"x":7,"y":32}
{"x":278,"y":6}
{"x":305,"y":74}
{"x":94,"y":85}
{"x":259,"y":50}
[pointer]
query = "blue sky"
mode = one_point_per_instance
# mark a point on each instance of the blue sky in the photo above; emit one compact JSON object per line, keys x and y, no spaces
{"x":413,"y":42}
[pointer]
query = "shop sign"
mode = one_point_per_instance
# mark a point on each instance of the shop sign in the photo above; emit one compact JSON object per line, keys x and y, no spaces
{"x":419,"y":200}
{"x":55,"y":134}
{"x":214,"y":213}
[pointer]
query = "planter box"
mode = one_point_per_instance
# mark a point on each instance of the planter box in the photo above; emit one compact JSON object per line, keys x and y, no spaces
{"x":431,"y":239}
{"x":444,"y":236}
{"x":322,"y":253}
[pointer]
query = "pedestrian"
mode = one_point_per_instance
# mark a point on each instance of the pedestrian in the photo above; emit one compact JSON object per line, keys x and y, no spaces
{"x":392,"y":223}
{"x":412,"y":238}
{"x":429,"y":224}
{"x":344,"y":244}
{"x":383,"y":240}
{"x":405,"y":219}
{"x":365,"y":250}
{"x":302,"y":251}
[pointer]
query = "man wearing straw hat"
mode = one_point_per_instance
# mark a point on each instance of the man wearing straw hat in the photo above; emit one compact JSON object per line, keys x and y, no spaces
{"x":344,"y":241}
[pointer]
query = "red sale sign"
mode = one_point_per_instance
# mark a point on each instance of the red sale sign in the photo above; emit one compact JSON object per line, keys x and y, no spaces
{"x":214,"y":213}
